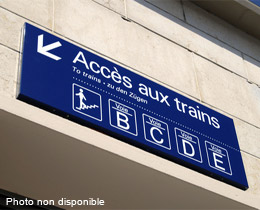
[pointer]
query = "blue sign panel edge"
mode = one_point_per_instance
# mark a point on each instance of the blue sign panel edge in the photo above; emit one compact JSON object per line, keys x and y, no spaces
{"x":256,"y":2}
{"x":121,"y":136}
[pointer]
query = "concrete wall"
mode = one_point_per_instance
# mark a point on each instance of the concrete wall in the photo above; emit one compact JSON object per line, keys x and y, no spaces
{"x":212,"y":61}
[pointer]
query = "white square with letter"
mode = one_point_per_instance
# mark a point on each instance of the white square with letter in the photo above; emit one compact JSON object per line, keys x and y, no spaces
{"x":188,"y":145}
{"x":156,"y":131}
{"x":122,"y":117}
{"x":218,"y":158}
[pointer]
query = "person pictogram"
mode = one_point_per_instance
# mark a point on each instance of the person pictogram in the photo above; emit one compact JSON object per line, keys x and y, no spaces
{"x":86,"y":102}
{"x":82,"y":105}
{"x":81,"y":96}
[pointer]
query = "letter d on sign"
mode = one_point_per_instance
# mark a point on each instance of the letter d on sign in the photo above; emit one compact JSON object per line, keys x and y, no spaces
{"x":184,"y":143}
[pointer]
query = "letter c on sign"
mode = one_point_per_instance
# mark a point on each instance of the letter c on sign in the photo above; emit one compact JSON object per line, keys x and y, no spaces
{"x":152,"y":135}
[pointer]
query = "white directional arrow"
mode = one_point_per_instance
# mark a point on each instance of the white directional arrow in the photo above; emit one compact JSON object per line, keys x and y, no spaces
{"x":44,"y":49}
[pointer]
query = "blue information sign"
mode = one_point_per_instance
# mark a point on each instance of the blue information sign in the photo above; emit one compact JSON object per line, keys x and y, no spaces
{"x":256,"y":2}
{"x":84,"y":87}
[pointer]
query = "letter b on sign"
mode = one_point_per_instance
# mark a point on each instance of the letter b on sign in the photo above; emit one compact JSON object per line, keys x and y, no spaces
{"x":122,"y":120}
{"x":122,"y":117}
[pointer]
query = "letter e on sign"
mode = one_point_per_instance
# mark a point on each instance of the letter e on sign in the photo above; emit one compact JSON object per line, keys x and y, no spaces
{"x":218,"y":158}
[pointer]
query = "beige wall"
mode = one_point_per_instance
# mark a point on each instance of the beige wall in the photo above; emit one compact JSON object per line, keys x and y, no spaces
{"x":210,"y":60}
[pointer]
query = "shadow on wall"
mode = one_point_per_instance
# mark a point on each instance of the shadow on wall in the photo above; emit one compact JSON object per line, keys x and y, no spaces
{"x":150,"y":4}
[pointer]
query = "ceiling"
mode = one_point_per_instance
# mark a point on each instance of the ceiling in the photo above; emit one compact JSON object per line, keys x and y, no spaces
{"x":241,"y":13}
